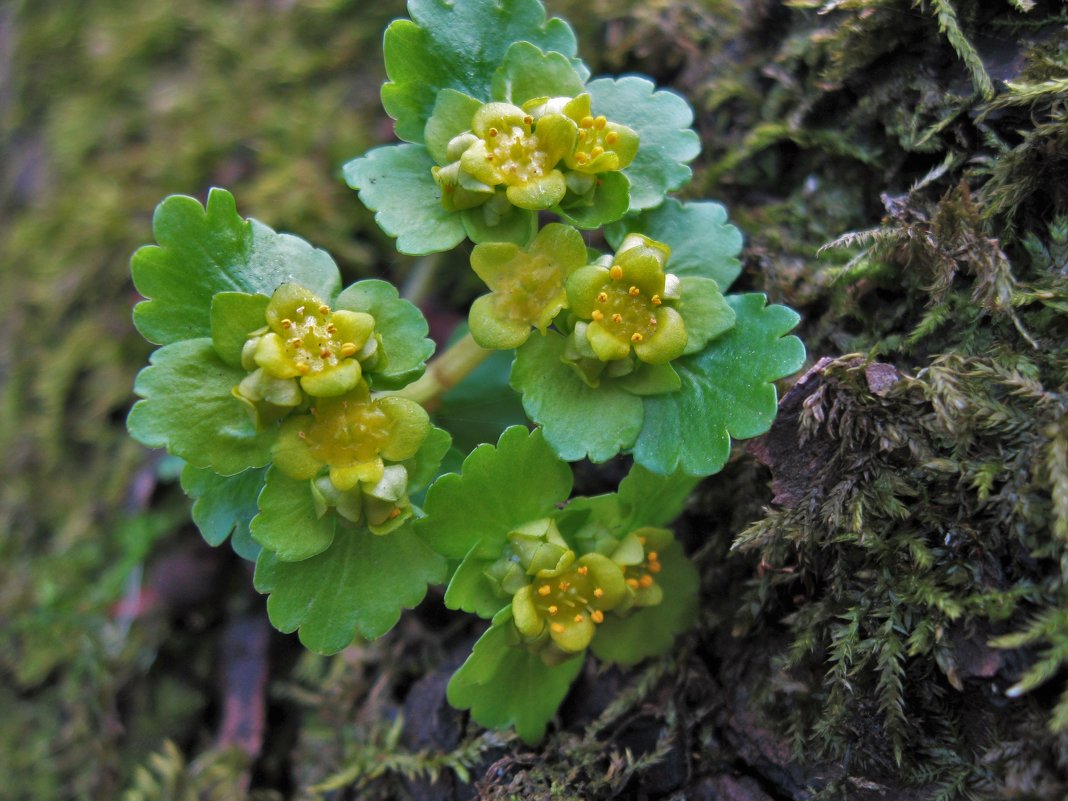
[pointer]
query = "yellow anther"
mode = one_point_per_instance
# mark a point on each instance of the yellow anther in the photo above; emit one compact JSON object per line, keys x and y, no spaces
{"x":581,"y":158}
{"x":302,"y":368}
{"x":634,"y":292}
{"x":558,"y":628}
{"x":616,"y":272}
{"x":652,"y":556}
{"x":492,"y":132}
{"x":324,"y":353}
{"x":287,"y":323}
{"x":597,"y":315}
{"x":564,"y":585}
{"x":598,"y":592}
{"x":600,"y":122}
{"x":331,"y":329}
{"x":655,"y":567}
{"x":646,"y":581}
{"x":632,"y":583}
{"x":489,"y":157}
{"x":596,"y":151}
{"x":348,"y":349}
{"x":553,"y":609}
{"x":602,"y":297}
{"x":582,"y":571}
{"x":656,"y":300}
{"x":597,"y":616}
{"x":528,"y":120}
{"x":617,"y":318}
{"x":611,"y":138}
{"x":579,"y":618}
{"x":544,"y":590}
{"x":636,"y":337}
{"x":296,"y":342}
{"x":582,"y":136}
{"x":324,"y":309}
{"x":586,"y":122}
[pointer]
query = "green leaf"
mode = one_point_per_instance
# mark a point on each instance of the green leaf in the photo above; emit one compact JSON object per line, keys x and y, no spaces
{"x":425,"y":466}
{"x":702,"y":242}
{"x":651,"y":499}
{"x":453,"y":112}
{"x":578,"y":421}
{"x":509,"y":223}
{"x":662,"y":120}
{"x":204,"y":251}
{"x":358,"y":586}
{"x":527,"y":72}
{"x":400,"y":324}
{"x":234,"y":315}
{"x":610,"y":201}
{"x":651,"y":630}
{"x":705,"y":312}
{"x":459,"y":46}
{"x":727,"y":391}
{"x":395,"y":182}
{"x":189,"y":410}
{"x":498,"y":489}
{"x":223,"y":506}
{"x":288,"y":523}
{"x":471,"y":591}
{"x":505,"y":685}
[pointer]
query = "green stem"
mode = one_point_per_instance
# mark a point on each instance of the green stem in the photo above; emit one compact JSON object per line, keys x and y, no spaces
{"x":445,"y":372}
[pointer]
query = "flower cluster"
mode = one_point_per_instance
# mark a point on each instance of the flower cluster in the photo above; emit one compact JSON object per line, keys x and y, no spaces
{"x":349,"y":445}
{"x":535,"y":156}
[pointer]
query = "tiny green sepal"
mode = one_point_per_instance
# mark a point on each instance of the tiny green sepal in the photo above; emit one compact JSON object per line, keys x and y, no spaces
{"x":504,"y":684}
{"x":357,"y":587}
{"x":204,"y":250}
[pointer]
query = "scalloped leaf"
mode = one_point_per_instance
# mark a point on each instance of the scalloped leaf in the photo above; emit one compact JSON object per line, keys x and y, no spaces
{"x":650,"y":499}
{"x":425,"y":466}
{"x":505,"y":685}
{"x":223,"y":506}
{"x":528,"y":72}
{"x":702,"y":242}
{"x":234,"y":315}
{"x":610,"y":201}
{"x":288,"y":523}
{"x":357,"y":587}
{"x":400,"y":324}
{"x":578,"y":421}
{"x":662,"y":120}
{"x":208,"y":249}
{"x":650,"y":631}
{"x":499,"y":488}
{"x":187,"y":408}
{"x":727,"y":391}
{"x":459,"y":46}
{"x":395,"y":182}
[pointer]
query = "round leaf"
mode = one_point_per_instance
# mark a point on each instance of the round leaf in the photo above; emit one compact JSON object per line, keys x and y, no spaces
{"x":223,"y":506}
{"x":288,"y":523}
{"x":528,"y":72}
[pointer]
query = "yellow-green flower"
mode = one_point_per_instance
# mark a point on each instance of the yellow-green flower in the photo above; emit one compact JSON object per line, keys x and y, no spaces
{"x":627,"y":306}
{"x":566,"y":603}
{"x":527,"y":285}
{"x":514,"y":150}
{"x":600,"y":145}
{"x":308,"y":343}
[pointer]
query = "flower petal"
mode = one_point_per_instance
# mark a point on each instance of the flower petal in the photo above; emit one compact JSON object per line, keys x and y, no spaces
{"x":333,"y":381}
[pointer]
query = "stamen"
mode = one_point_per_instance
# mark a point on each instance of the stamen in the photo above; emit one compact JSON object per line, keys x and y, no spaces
{"x":324,"y":309}
{"x":324,"y":353}
{"x":582,"y":136}
{"x":296,"y":342}
{"x":582,"y":571}
{"x":596,"y":151}
{"x":348,"y":349}
{"x":598,"y":592}
{"x":636,"y":337}
{"x":597,"y":616}
{"x":544,"y":590}
{"x":634,"y":292}
{"x":602,"y":297}
{"x":600,"y":122}
{"x":287,"y":323}
{"x":492,"y":132}
{"x":564,"y":585}
{"x":617,"y":318}
{"x":646,"y":581}
{"x":579,"y":618}
{"x":632,"y":583}
{"x":303,"y":368}
{"x":656,"y":300}
{"x":581,"y":157}
{"x":597,"y":315}
{"x":652,"y":556}
{"x":558,"y":628}
{"x":655,"y":567}
{"x":553,"y":609}
{"x":331,"y":329}
{"x":528,"y":120}
{"x":586,"y":122}
{"x":616,"y":272}
{"x":489,"y":157}
{"x":611,"y":138}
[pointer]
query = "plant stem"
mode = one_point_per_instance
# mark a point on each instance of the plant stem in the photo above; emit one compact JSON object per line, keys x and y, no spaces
{"x":445,"y":372}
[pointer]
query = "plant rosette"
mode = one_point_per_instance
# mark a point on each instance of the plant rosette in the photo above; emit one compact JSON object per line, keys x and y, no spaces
{"x":555,"y":583}
{"x":506,"y":125}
